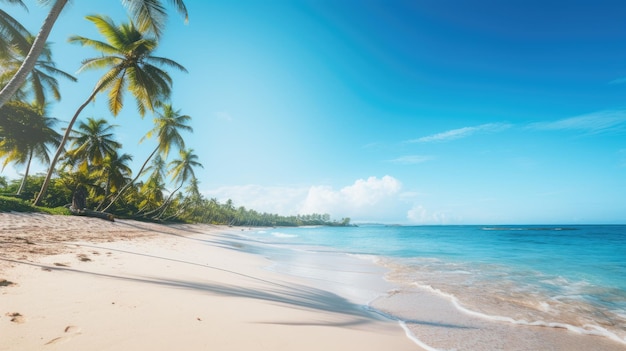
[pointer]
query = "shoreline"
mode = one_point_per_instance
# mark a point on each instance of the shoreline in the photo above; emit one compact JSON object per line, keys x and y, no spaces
{"x":75,"y":283}
{"x":432,"y":318}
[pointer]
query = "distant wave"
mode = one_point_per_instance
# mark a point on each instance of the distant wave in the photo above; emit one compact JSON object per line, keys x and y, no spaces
{"x":528,"y":228}
{"x":283,"y":235}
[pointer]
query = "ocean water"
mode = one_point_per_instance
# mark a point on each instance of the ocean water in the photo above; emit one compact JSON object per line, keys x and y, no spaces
{"x":477,"y":287}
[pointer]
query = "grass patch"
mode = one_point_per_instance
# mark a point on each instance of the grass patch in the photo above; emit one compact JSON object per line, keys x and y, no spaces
{"x":13,"y":204}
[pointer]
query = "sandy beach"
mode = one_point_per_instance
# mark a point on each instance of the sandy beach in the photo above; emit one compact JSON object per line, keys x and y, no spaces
{"x":75,"y":283}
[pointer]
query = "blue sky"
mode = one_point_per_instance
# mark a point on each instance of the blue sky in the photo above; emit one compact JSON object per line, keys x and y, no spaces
{"x":412,"y":112}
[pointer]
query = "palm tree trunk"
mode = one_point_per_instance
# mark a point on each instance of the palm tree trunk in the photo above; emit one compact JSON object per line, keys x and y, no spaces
{"x":30,"y":158}
{"x":166,"y":202}
{"x":119,"y":193}
{"x":46,"y":182}
{"x":107,"y":193}
{"x":35,"y":50}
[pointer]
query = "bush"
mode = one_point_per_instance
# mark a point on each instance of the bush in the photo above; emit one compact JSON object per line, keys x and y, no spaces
{"x":13,"y":204}
{"x":8,"y":204}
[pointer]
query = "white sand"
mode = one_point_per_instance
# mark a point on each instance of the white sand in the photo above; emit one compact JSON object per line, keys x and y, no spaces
{"x":73,"y":283}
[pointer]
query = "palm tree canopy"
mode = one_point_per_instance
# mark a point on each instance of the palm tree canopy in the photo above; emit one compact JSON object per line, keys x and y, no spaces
{"x":167,"y":125}
{"x":25,"y":132}
{"x":127,"y":54}
{"x":93,"y":141}
{"x":182,"y":169}
{"x":116,"y":169}
{"x":41,"y":78}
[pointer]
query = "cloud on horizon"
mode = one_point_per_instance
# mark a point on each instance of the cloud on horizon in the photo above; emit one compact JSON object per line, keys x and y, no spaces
{"x":596,"y":122}
{"x":371,"y":199}
{"x":460,"y":133}
{"x":366,"y":199}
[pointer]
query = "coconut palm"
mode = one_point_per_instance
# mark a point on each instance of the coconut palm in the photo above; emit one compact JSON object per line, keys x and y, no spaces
{"x":41,"y":78}
{"x":192,"y":200}
{"x":26,"y":134}
{"x":155,"y":185}
{"x":167,"y":127}
{"x":115,"y":173}
{"x":92,"y":142}
{"x":181,"y":170}
{"x":149,"y":14}
{"x":127,"y":54}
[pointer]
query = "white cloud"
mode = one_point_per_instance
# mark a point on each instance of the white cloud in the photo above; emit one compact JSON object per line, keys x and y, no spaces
{"x":371,"y":199}
{"x":596,"y":122}
{"x":462,"y":133}
{"x":411,"y":159}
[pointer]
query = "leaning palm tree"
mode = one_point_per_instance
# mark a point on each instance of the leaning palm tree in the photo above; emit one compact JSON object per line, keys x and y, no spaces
{"x":153,"y":188}
{"x":127,"y":53}
{"x":181,"y":170}
{"x":149,"y":14}
{"x":191,"y":200}
{"x":42,"y":78}
{"x":26,"y":134}
{"x":168,"y":125}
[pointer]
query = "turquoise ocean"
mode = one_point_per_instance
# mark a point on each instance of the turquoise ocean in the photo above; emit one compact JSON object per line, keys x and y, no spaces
{"x":474,"y":287}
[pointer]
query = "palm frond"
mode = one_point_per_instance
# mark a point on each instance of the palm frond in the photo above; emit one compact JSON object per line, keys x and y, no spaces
{"x":38,"y":88}
{"x":95,"y":44}
{"x":162,"y":61}
{"x":13,"y":32}
{"x":100,"y":62}
{"x":112,"y":33}
{"x":116,"y":94}
{"x":51,"y":69}
{"x":149,"y":15}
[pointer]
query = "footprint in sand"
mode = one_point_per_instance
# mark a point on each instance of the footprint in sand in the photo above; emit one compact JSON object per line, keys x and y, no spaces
{"x":16,"y":317}
{"x":4,"y":282}
{"x":68,"y":333}
{"x":83,"y":258}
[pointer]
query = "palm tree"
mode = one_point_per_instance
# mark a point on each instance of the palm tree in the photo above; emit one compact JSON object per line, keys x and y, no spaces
{"x":115,"y":173}
{"x":41,"y":78}
{"x":181,"y":171}
{"x":131,"y":64}
{"x":154,"y":186}
{"x":149,"y":14}
{"x":26,"y":134}
{"x":92,"y":142}
{"x":192,"y":199}
{"x":33,"y":54}
{"x":167,"y":127}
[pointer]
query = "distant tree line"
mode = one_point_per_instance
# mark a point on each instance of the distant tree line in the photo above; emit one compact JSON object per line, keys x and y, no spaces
{"x":182,"y":208}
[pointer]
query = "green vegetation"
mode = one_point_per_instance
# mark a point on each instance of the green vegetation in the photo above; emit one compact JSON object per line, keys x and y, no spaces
{"x":12,"y":204}
{"x":192,"y":208}
{"x":89,"y":169}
